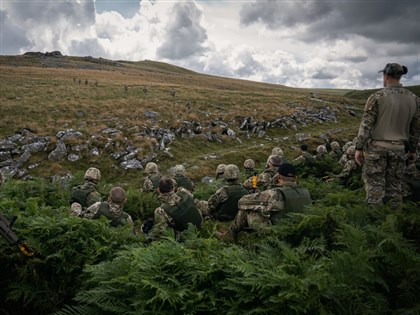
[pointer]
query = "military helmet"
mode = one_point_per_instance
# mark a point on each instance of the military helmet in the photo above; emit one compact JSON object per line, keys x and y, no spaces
{"x":277,"y":151}
{"x":93,"y":174}
{"x":220,"y":169}
{"x":274,"y":160}
{"x":231,"y":172}
{"x":118,"y":195}
{"x":321,"y":149}
{"x":351,"y":150}
{"x":151,"y":167}
{"x":335,"y":145}
{"x":179,"y":169}
{"x":249,"y":163}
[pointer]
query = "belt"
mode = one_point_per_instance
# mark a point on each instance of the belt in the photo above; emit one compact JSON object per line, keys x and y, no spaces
{"x":395,"y":145}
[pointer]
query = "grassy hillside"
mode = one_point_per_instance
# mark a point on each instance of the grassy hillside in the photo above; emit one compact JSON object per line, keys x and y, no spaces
{"x":43,"y":93}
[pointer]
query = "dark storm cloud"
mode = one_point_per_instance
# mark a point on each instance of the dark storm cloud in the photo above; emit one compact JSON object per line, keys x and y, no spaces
{"x":184,"y":35}
{"x":396,"y":21}
{"x":12,"y":38}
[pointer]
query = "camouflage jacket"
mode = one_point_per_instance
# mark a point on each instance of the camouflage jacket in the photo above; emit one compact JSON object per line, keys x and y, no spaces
{"x":151,"y":182}
{"x":89,"y":191}
{"x":402,"y":118}
{"x":114,"y":212}
{"x":264,"y":180}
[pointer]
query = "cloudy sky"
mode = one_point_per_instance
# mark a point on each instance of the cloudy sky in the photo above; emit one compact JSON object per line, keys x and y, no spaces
{"x":308,"y":43}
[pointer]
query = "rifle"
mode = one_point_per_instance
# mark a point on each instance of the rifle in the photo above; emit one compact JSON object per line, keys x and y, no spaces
{"x":9,"y":235}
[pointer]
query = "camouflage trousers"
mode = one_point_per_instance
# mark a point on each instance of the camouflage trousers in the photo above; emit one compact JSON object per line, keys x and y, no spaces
{"x":252,"y":219}
{"x":382,"y":174}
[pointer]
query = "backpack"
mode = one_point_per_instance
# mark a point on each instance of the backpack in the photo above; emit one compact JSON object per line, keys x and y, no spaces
{"x":80,"y":193}
{"x":183,"y":213}
{"x":268,"y":203}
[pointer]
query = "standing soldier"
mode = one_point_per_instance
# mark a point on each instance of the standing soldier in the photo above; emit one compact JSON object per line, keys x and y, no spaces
{"x":153,"y":177}
{"x":390,"y":125}
{"x":223,"y":204}
{"x":83,"y":196}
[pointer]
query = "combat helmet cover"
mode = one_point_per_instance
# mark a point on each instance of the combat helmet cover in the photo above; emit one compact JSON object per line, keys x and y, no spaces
{"x":249,"y":163}
{"x":220,"y":169}
{"x":151,"y":167}
{"x":93,"y":174}
{"x":231,"y":172}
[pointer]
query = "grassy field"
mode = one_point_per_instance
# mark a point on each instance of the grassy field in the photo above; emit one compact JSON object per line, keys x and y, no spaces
{"x":45,"y":95}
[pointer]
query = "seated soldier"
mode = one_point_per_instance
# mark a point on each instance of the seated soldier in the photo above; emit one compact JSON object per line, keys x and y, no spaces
{"x":223,"y":204}
{"x":279,"y":152}
{"x":349,"y":166}
{"x":176,"y":211}
{"x":85,"y":195}
{"x":305,"y":158}
{"x":111,"y":209}
{"x":181,"y":179}
{"x":249,"y":165}
{"x":153,"y":177}
{"x":220,"y":180}
{"x":260,"y":210}
{"x":335,"y":150}
{"x":265,"y":179}
{"x":321,"y":152}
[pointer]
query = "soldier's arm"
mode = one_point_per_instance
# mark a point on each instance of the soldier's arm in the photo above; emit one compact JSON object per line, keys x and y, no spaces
{"x":147,"y":185}
{"x":414,"y":130}
{"x":220,"y":196}
{"x":368,"y":121}
{"x":93,"y":197}
{"x":162,"y":222}
{"x":91,"y":212}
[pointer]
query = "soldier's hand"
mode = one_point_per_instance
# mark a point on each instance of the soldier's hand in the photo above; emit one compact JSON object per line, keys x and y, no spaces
{"x":358,"y":157}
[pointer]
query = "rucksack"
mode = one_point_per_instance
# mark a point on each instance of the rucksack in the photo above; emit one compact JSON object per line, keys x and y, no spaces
{"x":80,"y":193}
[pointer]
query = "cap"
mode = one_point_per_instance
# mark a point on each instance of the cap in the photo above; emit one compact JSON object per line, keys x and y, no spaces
{"x":287,"y":170}
{"x":394,"y":69}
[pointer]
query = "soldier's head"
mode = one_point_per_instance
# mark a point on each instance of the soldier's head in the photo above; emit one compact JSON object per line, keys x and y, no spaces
{"x":351,"y":150}
{"x":335,"y":145}
{"x":93,"y":175}
{"x":179,"y":169}
{"x":304,"y":148}
{"x":220,"y":170}
{"x":321,"y":149}
{"x":286,"y":172}
{"x":151,"y":168}
{"x":277,"y":151}
{"x":166,"y":185}
{"x":273,"y":161}
{"x":393,"y":71}
{"x":117,"y":195}
{"x":231,"y":172}
{"x":249,"y":164}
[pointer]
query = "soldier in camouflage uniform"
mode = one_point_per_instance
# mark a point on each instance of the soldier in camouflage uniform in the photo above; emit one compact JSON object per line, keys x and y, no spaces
{"x":153,"y":177}
{"x":389,"y":127}
{"x":85,"y":195}
{"x":111,"y":209}
{"x":249,"y":165}
{"x":305,"y":158}
{"x":321,"y":152}
{"x":279,"y":152}
{"x":261,"y":210}
{"x":349,"y":167}
{"x":176,"y":211}
{"x":223,"y":204}
{"x":335,"y":150}
{"x":181,"y":179}
{"x":265,"y":179}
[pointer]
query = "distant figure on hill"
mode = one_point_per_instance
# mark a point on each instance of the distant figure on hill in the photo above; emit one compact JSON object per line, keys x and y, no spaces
{"x":172,"y":92}
{"x":145,"y":90}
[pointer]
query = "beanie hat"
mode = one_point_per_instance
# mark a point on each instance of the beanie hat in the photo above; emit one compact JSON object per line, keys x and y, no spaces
{"x":287,"y":170}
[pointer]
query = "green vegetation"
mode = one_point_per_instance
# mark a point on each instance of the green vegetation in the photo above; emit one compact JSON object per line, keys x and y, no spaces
{"x":339,"y":257}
